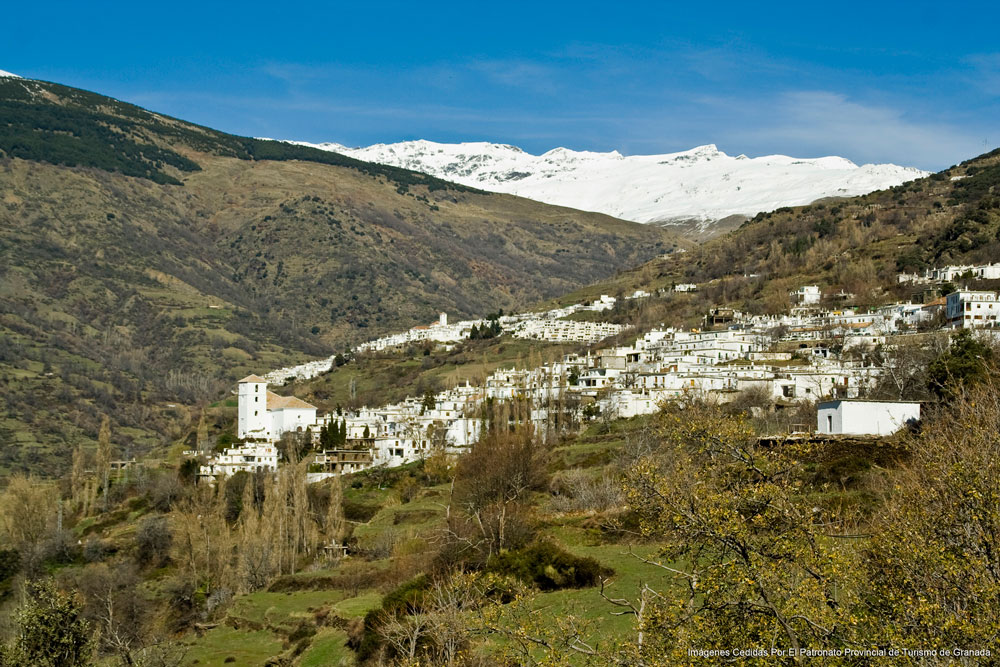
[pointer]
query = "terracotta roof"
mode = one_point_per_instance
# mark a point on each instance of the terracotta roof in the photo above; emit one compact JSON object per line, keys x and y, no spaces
{"x":937,"y":302}
{"x":252,"y":378}
{"x":275,"y":402}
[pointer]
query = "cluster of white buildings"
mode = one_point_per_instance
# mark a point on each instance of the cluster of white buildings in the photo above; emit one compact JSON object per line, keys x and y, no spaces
{"x":668,"y":365}
{"x":625,"y":381}
{"x":391,"y":435}
{"x":566,"y":331}
{"x":547,"y":326}
{"x":622,"y":381}
{"x":440,"y":332}
{"x":952,"y":273}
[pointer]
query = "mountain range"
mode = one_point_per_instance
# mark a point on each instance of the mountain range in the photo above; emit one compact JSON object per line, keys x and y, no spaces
{"x":692,"y":189}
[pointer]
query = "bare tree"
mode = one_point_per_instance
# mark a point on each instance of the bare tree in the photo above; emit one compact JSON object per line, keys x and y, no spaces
{"x":403,"y":634}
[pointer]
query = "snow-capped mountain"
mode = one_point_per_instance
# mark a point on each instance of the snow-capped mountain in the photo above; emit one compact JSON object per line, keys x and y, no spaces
{"x":9,"y":75}
{"x":702,"y":184}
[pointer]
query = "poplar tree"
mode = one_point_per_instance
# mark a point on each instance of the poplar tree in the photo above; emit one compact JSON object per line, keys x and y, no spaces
{"x":103,"y":465}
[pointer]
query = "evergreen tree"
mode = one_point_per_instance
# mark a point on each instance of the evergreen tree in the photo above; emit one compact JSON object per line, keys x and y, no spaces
{"x":51,"y":630}
{"x":964,"y":364}
{"x":343,"y":432}
{"x":428,"y":403}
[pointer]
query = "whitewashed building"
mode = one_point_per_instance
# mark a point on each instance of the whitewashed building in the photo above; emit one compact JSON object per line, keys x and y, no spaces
{"x":860,"y":417}
{"x":264,"y":416}
{"x":807,"y":295}
{"x":245,"y":458}
{"x":966,"y":309}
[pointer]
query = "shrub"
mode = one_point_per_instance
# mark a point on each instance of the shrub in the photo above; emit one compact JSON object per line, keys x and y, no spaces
{"x":50,"y":629}
{"x":408,"y":598}
{"x":359,"y":512}
{"x":549,"y":567}
{"x":153,"y":540}
{"x":408,"y":489}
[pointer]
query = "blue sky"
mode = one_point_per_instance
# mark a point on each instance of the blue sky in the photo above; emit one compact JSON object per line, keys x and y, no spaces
{"x":914,"y":83}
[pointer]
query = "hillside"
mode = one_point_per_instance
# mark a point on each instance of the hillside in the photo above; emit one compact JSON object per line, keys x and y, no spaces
{"x":855,"y":246}
{"x":147,"y":262}
{"x":692,"y":191}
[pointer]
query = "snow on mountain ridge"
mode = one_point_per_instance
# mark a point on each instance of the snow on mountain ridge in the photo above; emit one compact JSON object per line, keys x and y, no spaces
{"x":702,"y":183}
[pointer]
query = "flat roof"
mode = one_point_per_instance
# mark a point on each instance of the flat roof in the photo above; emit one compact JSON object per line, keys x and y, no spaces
{"x":864,"y":400}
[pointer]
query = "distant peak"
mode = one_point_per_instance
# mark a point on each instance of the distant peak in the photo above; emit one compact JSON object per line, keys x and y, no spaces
{"x":707,"y":150}
{"x":8,"y":75}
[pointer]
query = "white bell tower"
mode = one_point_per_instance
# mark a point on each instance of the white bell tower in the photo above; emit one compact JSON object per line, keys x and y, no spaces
{"x":253,"y":421}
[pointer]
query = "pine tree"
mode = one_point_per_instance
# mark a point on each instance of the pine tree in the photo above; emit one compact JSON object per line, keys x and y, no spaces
{"x":428,"y":402}
{"x":343,"y":432}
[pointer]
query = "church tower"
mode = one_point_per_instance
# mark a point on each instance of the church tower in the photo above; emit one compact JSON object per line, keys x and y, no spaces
{"x":253,"y":421}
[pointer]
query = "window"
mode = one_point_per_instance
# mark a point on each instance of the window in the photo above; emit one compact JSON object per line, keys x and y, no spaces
{"x":829,"y":423}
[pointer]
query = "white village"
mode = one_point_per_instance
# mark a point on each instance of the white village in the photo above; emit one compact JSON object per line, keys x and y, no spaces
{"x":830,"y":366}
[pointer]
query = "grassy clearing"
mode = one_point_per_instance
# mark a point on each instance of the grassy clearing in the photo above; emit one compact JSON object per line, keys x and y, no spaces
{"x":328,"y":649}
{"x":358,"y":606}
{"x":281,"y":609}
{"x":246,"y":647}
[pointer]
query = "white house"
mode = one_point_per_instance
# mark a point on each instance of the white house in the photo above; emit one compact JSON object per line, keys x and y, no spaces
{"x":807,"y":295}
{"x":247,"y":458}
{"x":860,"y":417}
{"x":967,"y":308}
{"x":264,"y":415}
